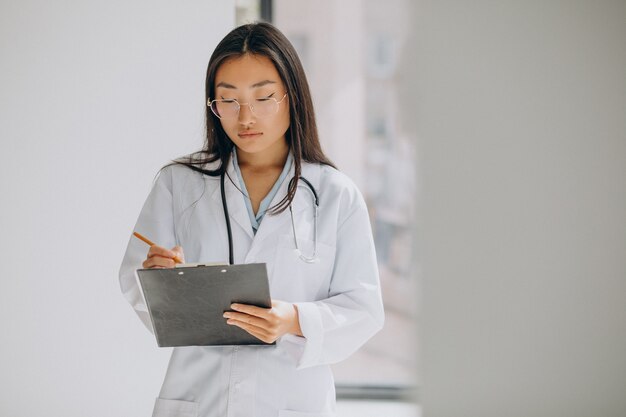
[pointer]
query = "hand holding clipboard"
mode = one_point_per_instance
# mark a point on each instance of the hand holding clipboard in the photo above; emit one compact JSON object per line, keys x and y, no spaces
{"x":211,"y":304}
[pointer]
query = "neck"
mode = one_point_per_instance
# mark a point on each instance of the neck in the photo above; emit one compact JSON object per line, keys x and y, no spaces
{"x":268,"y":159}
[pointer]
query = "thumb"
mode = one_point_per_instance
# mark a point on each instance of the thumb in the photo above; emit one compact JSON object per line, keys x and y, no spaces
{"x":178,"y":250}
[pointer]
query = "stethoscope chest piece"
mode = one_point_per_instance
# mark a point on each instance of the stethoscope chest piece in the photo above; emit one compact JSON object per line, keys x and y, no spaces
{"x":308,"y":259}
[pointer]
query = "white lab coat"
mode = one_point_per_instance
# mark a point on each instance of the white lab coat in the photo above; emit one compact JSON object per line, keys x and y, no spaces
{"x":338,"y":298}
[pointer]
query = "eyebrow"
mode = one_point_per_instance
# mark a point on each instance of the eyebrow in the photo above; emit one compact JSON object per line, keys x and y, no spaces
{"x":255,"y":85}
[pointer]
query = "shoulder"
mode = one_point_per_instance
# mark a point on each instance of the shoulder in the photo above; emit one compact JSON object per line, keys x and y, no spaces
{"x":182,"y":182}
{"x":178,"y":173}
{"x":336,"y":181}
{"x":336,"y":186}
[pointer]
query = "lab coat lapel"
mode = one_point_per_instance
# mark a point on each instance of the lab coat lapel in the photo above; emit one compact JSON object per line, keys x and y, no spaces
{"x":303,"y":200}
{"x":235,"y":199}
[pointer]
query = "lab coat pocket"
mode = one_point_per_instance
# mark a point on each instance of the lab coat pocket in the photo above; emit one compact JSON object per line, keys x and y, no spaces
{"x":290,"y":413}
{"x":175,"y":408}
{"x":293,"y":278}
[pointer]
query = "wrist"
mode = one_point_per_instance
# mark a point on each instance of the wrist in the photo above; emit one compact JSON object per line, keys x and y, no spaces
{"x":295,"y":327}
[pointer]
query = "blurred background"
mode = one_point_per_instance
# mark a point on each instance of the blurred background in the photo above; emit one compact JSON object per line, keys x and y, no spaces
{"x":488,"y":138}
{"x":355,"y":64}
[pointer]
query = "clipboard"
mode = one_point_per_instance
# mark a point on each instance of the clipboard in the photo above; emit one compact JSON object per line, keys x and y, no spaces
{"x":187,"y":304}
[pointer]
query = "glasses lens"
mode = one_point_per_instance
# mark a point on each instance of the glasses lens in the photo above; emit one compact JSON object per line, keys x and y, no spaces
{"x":265,"y":107}
{"x":225,"y":109}
{"x":214,"y":109}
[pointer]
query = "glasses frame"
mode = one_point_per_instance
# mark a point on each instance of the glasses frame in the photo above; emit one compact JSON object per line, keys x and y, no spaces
{"x":250,"y":106}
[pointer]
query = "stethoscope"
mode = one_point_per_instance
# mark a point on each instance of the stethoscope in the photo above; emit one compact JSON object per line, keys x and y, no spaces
{"x":316,"y":205}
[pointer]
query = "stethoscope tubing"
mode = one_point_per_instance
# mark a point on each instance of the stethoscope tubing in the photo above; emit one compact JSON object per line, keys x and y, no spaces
{"x":229,"y":231}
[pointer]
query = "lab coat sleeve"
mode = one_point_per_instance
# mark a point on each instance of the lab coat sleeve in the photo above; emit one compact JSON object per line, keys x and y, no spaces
{"x":156,"y":223}
{"x":336,"y":327}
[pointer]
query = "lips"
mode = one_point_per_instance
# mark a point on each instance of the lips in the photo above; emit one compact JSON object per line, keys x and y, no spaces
{"x":249,"y":134}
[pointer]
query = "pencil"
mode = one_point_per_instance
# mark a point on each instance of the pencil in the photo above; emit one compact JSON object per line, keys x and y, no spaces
{"x":151,"y":243}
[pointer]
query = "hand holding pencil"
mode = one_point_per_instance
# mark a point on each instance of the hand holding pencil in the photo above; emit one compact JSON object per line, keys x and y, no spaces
{"x":160,"y":257}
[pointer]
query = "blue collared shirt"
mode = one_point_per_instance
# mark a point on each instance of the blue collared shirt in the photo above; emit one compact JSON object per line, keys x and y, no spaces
{"x":255,"y":221}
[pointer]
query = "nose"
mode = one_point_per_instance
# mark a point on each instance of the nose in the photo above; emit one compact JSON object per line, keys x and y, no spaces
{"x":246,"y":117}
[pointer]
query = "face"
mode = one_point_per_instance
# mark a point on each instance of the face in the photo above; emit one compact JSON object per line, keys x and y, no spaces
{"x":253,"y":79}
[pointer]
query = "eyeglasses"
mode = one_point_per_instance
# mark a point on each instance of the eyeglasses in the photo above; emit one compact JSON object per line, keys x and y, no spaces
{"x":229,"y":109}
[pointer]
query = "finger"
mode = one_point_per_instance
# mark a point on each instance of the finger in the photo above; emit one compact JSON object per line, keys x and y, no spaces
{"x":159,"y":262}
{"x":250,"y":328}
{"x":251,"y":310}
{"x":255,"y":331}
{"x":246,"y":318}
{"x":180,"y":256}
{"x":156,"y":250}
{"x":263,"y":338}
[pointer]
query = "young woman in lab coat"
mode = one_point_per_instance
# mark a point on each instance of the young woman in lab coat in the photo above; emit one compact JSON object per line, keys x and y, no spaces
{"x":326,"y":299}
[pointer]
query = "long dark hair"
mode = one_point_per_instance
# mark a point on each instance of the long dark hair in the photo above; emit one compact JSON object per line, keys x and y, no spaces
{"x":262,"y":39}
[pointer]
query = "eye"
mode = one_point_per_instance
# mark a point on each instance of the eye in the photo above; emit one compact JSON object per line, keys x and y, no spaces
{"x":266,"y":98}
{"x":228,"y":100}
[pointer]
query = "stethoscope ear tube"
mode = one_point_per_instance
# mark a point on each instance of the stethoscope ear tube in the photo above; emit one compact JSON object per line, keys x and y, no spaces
{"x":311,"y":188}
{"x":231,"y":261}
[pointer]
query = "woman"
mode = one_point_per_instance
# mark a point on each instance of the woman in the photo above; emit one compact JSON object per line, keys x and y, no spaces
{"x":263,"y":152}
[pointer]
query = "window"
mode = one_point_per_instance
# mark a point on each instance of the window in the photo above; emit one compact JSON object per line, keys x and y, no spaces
{"x":352,"y":53}
{"x":247,"y":11}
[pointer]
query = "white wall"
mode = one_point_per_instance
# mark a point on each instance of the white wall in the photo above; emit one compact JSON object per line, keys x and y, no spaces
{"x":522,"y":146}
{"x":94,"y":98}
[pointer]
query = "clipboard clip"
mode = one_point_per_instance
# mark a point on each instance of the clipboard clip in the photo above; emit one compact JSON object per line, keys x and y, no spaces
{"x":199,"y":264}
{"x":193,"y":265}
